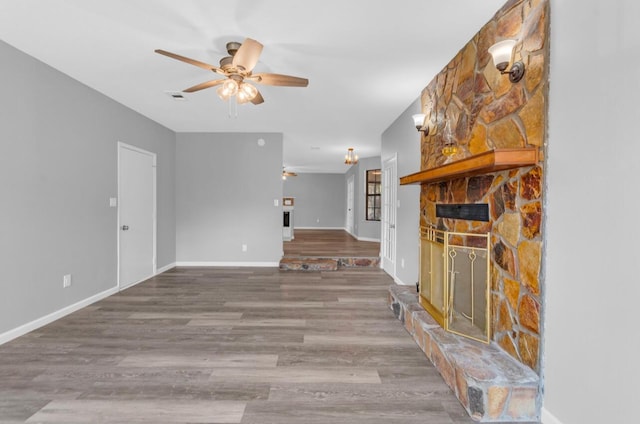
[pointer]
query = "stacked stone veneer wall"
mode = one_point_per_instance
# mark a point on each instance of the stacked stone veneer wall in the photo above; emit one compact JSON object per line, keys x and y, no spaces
{"x":472,"y":105}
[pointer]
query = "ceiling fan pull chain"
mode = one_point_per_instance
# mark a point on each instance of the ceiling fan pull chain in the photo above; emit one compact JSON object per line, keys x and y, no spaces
{"x":233,"y":107}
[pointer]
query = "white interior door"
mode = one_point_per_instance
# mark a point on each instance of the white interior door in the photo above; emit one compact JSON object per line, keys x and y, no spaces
{"x":389,"y":202}
{"x":136,"y":215}
{"x":350,"y":204}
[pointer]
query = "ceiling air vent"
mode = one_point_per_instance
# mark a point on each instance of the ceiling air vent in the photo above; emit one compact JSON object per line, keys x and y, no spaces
{"x":176,"y":95}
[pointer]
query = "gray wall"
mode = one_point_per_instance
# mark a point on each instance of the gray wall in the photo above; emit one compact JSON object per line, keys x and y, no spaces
{"x":401,"y":138}
{"x":58,"y":169}
{"x":225,"y":190}
{"x":363,"y":229}
{"x":319,"y":200}
{"x":591,"y":366}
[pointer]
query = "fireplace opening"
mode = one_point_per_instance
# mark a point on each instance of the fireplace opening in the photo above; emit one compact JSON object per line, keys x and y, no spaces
{"x":470,"y":211}
{"x":454,"y":281}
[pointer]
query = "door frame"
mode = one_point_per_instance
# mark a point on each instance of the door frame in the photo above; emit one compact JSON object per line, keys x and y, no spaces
{"x":393,"y":204}
{"x":351,"y":204}
{"x":120,"y":147}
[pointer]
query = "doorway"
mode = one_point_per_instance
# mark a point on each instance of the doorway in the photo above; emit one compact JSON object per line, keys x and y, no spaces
{"x":136,"y":215}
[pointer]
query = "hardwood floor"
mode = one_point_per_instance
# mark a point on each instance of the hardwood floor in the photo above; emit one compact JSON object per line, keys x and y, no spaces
{"x":222,"y":345}
{"x":329,"y":243}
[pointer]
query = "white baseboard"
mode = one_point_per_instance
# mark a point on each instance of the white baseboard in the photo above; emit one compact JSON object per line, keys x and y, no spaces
{"x":548,"y":417}
{"x":47,"y":319}
{"x":367,"y":239}
{"x":318,"y":228}
{"x":165,"y":268}
{"x":230,"y":264}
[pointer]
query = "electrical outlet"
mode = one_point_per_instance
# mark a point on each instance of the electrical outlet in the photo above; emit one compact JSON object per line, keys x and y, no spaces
{"x":402,"y":262}
{"x":244,"y":247}
{"x":66,"y":281}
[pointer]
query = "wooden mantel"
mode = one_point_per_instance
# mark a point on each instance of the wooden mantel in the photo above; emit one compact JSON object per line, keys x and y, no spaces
{"x":483,"y":163}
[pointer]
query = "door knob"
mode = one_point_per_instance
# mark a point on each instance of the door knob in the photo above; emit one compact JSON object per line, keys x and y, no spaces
{"x":125,"y":227}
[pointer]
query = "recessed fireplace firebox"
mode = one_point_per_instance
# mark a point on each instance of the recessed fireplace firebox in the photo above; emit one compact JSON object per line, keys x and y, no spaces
{"x":454,"y":281}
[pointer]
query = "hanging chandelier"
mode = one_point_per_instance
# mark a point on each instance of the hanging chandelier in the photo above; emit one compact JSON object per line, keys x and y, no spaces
{"x":350,"y":158}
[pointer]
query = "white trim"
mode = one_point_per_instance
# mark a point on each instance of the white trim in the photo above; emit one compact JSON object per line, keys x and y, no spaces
{"x":367,"y":239}
{"x":391,"y":162}
{"x":47,"y":319}
{"x":230,"y":264}
{"x":351,"y":182}
{"x":400,"y":282}
{"x":135,"y":283}
{"x":165,"y":268}
{"x":548,"y":417}
{"x":121,"y":145}
{"x":321,"y":228}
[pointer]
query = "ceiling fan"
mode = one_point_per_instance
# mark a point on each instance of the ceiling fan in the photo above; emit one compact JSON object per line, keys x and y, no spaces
{"x":286,"y":174}
{"x":238,"y":70}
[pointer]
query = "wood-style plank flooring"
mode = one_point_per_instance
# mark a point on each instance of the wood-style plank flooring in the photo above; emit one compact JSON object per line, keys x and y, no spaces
{"x":329,"y":243}
{"x":223,"y":345}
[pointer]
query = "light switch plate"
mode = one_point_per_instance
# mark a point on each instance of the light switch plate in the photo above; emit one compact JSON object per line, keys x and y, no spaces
{"x":113,"y":202}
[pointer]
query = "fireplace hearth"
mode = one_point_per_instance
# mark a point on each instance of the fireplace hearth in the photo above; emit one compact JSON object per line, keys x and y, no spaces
{"x":491,"y":385}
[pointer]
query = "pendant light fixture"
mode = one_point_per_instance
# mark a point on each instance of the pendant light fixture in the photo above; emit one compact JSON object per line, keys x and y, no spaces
{"x":350,"y":158}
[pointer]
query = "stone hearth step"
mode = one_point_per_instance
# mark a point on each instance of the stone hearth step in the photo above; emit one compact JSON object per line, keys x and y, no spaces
{"x":491,"y":385}
{"x":327,"y":264}
{"x":359,"y":262}
{"x":308,"y":264}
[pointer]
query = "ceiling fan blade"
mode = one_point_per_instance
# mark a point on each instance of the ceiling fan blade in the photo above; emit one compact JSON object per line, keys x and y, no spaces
{"x":247,"y":55}
{"x":257,"y":99}
{"x":204,"y":85}
{"x":188,"y":60}
{"x":281,"y":80}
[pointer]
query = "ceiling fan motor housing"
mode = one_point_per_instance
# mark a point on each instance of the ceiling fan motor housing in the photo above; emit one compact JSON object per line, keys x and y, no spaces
{"x":232,"y":47}
{"x":226,"y":62}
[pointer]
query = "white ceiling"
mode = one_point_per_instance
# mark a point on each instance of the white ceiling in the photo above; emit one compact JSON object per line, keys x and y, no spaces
{"x":366,"y":61}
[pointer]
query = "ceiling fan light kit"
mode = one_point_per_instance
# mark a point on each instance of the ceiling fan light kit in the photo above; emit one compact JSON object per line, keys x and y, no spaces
{"x":246,"y":93}
{"x":238,"y":69}
{"x":228,"y":89}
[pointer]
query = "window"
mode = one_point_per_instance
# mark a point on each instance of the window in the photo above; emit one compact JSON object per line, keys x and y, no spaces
{"x":374,"y":186}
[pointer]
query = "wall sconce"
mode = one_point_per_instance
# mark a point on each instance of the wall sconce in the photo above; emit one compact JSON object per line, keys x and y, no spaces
{"x":502,"y":52}
{"x":450,"y":147}
{"x":350,"y":158}
{"x":418,"y":120}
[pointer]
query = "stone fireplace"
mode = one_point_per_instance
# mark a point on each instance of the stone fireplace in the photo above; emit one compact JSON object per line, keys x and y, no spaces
{"x":486,"y":145}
